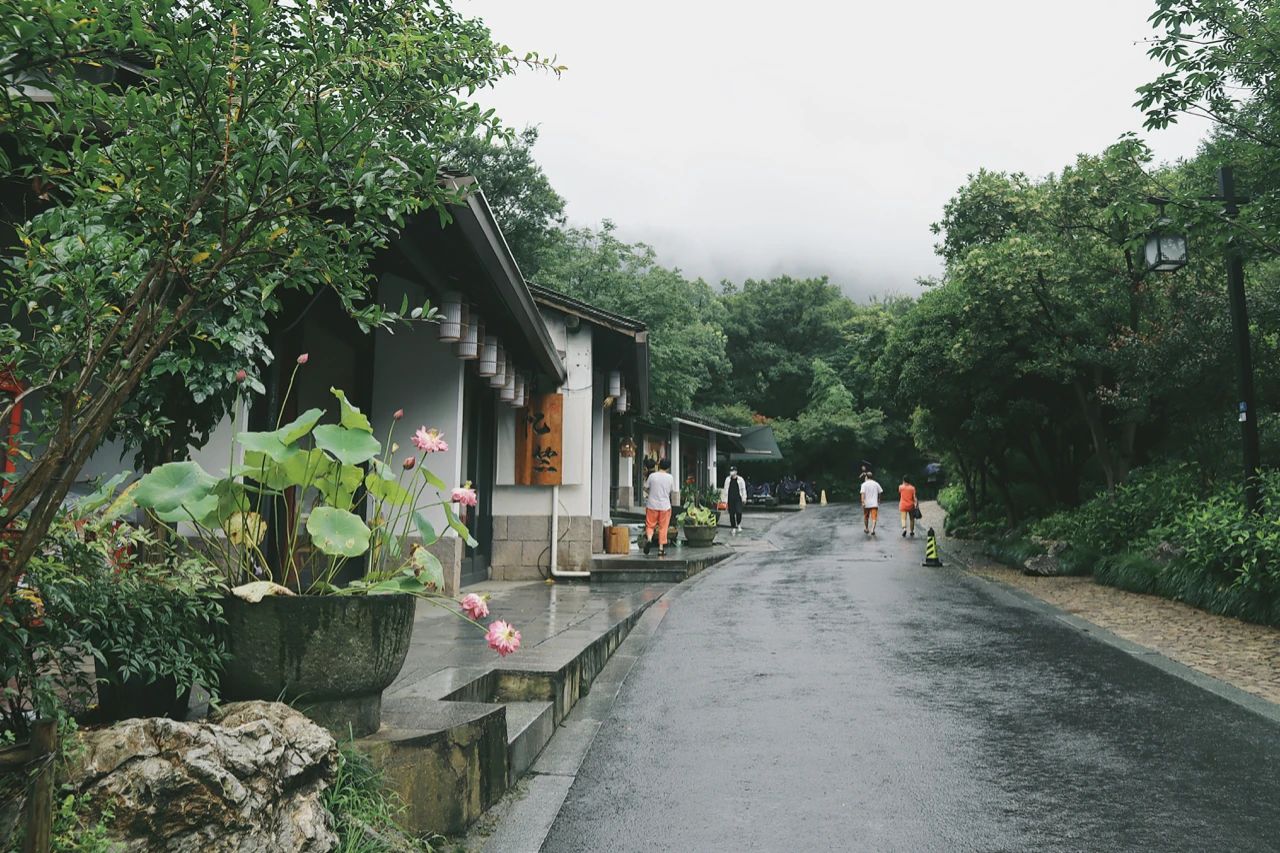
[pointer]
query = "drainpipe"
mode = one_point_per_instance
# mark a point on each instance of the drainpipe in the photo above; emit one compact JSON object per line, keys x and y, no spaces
{"x":555,"y":539}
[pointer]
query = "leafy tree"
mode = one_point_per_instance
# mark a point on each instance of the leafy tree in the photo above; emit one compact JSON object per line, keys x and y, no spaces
{"x":529,"y":210}
{"x":200,"y":161}
{"x":775,"y":329}
{"x":687,"y":346}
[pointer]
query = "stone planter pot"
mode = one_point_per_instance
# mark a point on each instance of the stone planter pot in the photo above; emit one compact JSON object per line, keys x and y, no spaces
{"x":328,"y":656}
{"x":699,"y":537}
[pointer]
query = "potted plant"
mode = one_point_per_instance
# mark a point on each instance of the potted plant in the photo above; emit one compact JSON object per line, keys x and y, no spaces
{"x":325,"y":621}
{"x":699,"y":525}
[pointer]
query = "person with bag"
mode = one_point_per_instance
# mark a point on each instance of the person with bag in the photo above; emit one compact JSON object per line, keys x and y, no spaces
{"x":735,"y":498}
{"x":908,"y":505}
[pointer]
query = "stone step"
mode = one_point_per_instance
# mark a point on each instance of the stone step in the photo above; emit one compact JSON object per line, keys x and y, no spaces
{"x":680,"y":564}
{"x":530,"y":726}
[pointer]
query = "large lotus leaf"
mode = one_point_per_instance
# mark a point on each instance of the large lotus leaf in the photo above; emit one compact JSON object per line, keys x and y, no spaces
{"x":267,"y":443}
{"x":351,"y":418}
{"x":427,"y":568}
{"x":202,"y":511}
{"x":123,"y":503}
{"x":337,"y":532}
{"x":425,"y":530}
{"x":388,"y":491}
{"x":298,"y":468}
{"x":173,"y":485}
{"x":232,"y":498}
{"x":458,"y":526}
{"x":338,"y":483}
{"x":349,"y":446}
{"x":300,"y":426}
{"x":432,"y":480}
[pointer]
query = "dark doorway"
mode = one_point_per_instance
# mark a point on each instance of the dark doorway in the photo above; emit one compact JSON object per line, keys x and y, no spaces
{"x":479,"y":445}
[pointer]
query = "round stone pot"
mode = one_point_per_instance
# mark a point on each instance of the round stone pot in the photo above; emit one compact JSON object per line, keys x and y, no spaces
{"x":329,"y":656}
{"x":699,"y":537}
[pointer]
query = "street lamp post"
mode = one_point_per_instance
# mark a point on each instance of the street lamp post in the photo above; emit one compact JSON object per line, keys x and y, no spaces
{"x":1166,"y":251}
{"x":1247,"y":413}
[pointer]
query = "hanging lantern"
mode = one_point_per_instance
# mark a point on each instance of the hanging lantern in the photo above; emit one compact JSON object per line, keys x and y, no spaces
{"x":489,"y":355}
{"x":499,"y":377}
{"x":615,"y":383}
{"x":508,"y":392}
{"x":620,"y":404}
{"x":469,"y":346}
{"x":451,"y":317}
{"x":521,"y":388}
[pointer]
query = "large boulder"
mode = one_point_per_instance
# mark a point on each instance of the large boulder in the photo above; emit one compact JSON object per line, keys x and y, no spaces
{"x":250,"y":779}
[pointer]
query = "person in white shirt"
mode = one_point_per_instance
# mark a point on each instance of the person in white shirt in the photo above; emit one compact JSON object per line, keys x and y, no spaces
{"x":657,"y":505}
{"x":735,"y":496}
{"x":870,"y":493}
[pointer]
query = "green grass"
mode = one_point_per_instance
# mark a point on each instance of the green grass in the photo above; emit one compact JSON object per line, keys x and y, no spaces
{"x":357,"y":799}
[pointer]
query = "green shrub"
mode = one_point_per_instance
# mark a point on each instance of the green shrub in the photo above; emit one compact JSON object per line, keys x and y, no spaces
{"x":1112,"y":522}
{"x":1012,"y":550}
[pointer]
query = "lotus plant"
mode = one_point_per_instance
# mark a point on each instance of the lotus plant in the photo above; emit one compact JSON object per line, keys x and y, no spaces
{"x":323,"y":495}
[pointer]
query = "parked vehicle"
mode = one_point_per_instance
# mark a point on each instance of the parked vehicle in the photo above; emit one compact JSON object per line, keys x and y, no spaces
{"x":761,"y":494}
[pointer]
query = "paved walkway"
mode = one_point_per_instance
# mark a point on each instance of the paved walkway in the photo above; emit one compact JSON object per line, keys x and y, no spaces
{"x":1242,"y":654}
{"x":835,"y":695}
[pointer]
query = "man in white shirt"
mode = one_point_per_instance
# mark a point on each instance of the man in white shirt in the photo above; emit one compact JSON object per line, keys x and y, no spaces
{"x":657,"y":506}
{"x":870,"y":493}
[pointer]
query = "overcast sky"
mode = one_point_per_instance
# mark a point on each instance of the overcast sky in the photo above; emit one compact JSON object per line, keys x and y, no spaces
{"x":813,"y":136}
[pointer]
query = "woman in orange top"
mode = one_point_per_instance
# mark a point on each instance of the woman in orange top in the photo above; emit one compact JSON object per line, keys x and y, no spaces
{"x":907,"y":505}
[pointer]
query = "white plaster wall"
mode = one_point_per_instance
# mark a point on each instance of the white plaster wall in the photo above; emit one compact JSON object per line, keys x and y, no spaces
{"x":413,"y":370}
{"x":575,"y":491}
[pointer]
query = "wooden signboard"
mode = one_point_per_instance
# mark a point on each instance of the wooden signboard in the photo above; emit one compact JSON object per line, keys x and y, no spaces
{"x":539,"y":441}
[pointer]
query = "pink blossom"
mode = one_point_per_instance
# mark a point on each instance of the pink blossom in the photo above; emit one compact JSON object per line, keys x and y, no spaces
{"x":429,"y":440}
{"x":302,"y":359}
{"x":465,"y":497}
{"x":503,"y":638}
{"x":398,"y":415}
{"x":241,"y":375}
{"x":409,"y":462}
{"x":475,"y":606}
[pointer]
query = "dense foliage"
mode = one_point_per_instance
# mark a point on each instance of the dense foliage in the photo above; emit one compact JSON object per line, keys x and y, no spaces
{"x":188,"y":165}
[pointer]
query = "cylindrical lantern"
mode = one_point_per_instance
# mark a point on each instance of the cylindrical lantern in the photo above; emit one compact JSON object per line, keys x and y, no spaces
{"x":620,"y":404}
{"x":499,"y":377}
{"x":508,"y":392}
{"x":489,"y":355}
{"x":451,"y":317}
{"x":615,"y":383}
{"x":469,"y":346}
{"x":521,"y":387}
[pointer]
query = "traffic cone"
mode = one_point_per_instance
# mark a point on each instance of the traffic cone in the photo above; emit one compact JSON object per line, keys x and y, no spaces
{"x":822,"y":501}
{"x":803,"y":503}
{"x":931,"y":550}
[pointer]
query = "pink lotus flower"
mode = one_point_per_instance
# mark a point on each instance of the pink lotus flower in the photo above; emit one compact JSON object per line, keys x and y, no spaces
{"x":429,"y":440}
{"x":409,"y":462}
{"x":398,"y":415}
{"x":475,"y":606}
{"x":302,"y":359}
{"x":503,"y":638}
{"x":465,"y":497}
{"x":241,"y":375}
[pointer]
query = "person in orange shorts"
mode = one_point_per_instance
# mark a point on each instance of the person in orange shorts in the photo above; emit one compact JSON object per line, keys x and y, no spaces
{"x":657,"y":506}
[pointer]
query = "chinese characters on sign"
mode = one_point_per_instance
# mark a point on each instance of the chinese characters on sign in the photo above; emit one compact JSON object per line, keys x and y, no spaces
{"x":539,"y":441}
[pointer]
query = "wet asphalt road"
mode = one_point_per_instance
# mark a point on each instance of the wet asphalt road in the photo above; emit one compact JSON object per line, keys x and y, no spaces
{"x":836,"y":695}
